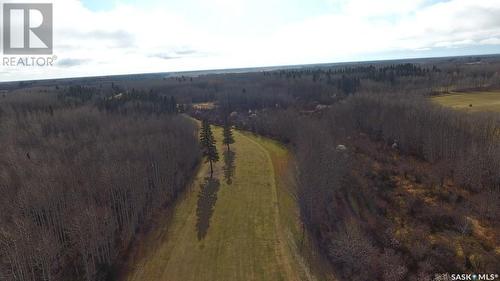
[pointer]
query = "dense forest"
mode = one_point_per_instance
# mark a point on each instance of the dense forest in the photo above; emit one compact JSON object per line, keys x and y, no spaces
{"x":77,"y":182}
{"x":390,"y":186}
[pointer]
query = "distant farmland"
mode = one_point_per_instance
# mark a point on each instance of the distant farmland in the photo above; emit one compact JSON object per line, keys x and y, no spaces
{"x":471,"y":101}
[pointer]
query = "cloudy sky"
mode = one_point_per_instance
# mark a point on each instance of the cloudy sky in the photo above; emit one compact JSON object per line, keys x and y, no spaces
{"x":96,"y":37}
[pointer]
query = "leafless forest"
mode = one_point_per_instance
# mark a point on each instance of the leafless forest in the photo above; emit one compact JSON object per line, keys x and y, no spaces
{"x":78,"y":182}
{"x":390,"y":186}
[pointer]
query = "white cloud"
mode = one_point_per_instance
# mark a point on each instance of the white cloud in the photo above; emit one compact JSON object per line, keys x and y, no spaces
{"x":196,"y":34}
{"x":367,"y":8}
{"x":490,"y":41}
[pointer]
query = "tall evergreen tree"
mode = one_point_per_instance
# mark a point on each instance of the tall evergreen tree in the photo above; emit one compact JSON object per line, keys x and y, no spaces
{"x":228,"y":135}
{"x":208,"y":146}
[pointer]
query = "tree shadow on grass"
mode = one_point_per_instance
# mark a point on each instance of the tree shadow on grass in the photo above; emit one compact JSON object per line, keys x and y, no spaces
{"x":206,"y":204}
{"x":229,"y":166}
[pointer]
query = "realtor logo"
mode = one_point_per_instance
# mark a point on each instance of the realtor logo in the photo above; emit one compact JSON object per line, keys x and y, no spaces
{"x":27,"y":29}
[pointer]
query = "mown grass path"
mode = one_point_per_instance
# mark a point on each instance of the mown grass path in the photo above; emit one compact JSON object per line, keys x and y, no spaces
{"x":246,"y":230}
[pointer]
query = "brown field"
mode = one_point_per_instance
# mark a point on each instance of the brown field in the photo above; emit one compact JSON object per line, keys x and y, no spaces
{"x":471,"y":101}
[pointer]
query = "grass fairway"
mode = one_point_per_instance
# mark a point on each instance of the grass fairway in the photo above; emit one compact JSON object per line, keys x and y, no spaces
{"x":249,"y":227}
{"x":480,"y":101}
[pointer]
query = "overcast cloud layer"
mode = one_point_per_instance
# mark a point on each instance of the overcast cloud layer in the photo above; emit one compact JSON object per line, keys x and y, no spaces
{"x":93,"y":38}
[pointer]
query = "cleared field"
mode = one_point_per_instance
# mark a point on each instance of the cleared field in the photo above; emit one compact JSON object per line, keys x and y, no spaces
{"x":245,"y":230}
{"x":472,"y":101}
{"x":204,"y":106}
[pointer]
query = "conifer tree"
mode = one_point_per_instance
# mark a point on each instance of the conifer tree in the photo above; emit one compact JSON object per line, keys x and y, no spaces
{"x":208,"y":147}
{"x":228,"y":135}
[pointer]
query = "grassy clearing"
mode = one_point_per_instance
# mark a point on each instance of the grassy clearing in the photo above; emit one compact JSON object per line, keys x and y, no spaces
{"x":252,"y":225}
{"x":480,"y":101}
{"x":307,"y":261}
{"x":204,"y":106}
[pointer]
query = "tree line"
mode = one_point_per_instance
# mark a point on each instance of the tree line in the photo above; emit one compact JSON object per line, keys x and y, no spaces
{"x":350,"y":207}
{"x":78,"y":183}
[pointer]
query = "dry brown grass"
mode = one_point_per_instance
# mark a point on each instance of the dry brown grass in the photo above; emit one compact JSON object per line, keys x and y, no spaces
{"x":471,"y":101}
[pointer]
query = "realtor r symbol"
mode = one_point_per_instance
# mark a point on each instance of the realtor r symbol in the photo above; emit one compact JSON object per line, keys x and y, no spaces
{"x":27,"y":29}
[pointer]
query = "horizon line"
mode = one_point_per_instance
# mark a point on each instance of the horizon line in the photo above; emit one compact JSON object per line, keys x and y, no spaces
{"x":251,"y":69}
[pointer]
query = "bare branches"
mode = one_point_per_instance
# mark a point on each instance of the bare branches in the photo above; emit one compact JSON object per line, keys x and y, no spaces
{"x":78,"y":183}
